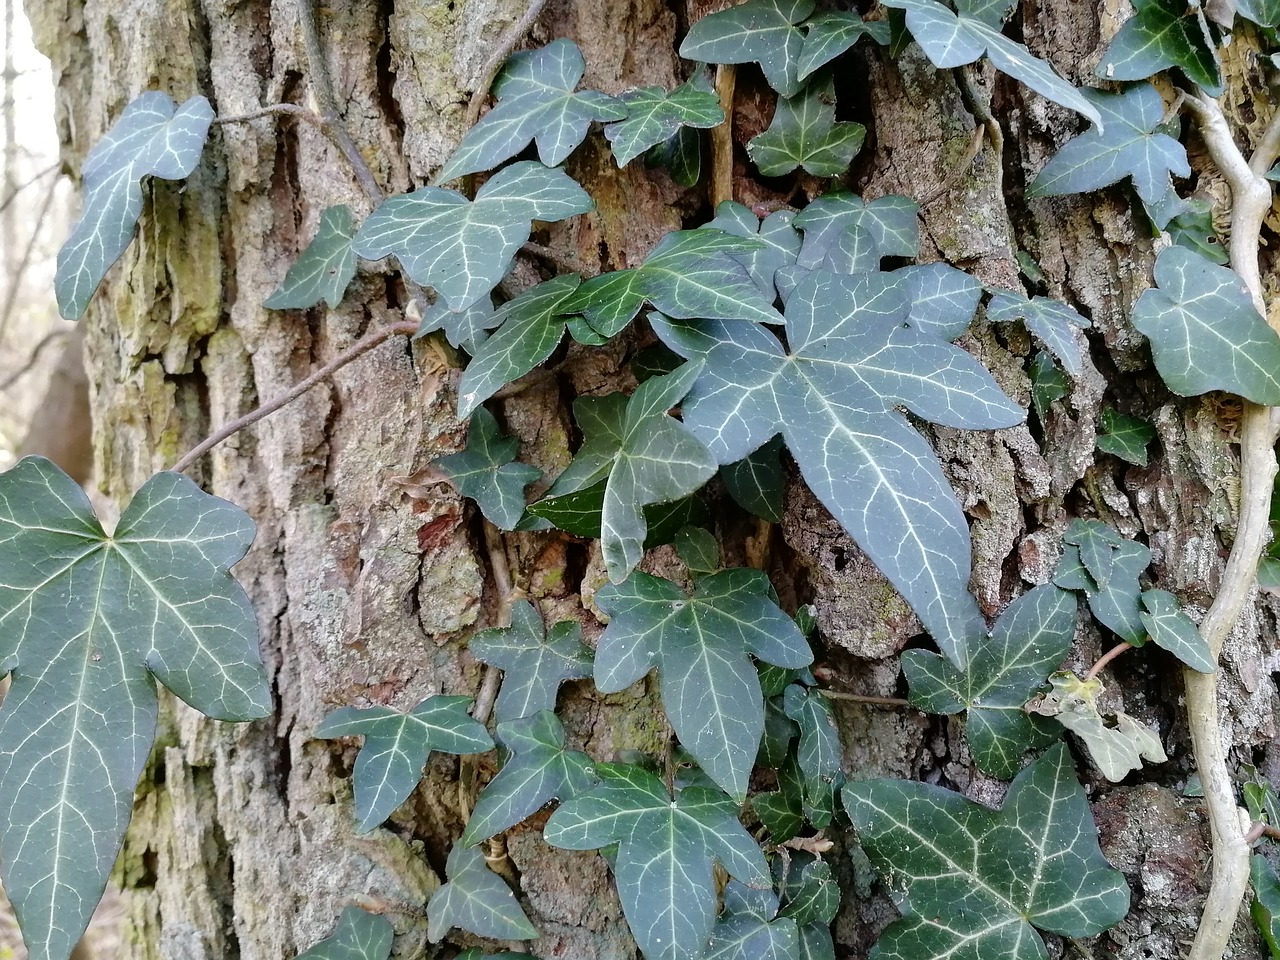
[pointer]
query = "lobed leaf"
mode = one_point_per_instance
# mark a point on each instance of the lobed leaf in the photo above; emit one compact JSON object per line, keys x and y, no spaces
{"x":654,"y":116}
{"x":890,"y":221}
{"x":324,"y":269}
{"x":1125,"y":437}
{"x":749,"y":928}
{"x":1054,"y":324}
{"x":804,"y":133}
{"x":467,"y":328}
{"x":830,"y":34}
{"x":1163,"y":34}
{"x":758,"y":31}
{"x":818,"y":752}
{"x":486,"y":471}
{"x":1117,"y":605}
{"x":779,"y":242}
{"x":1169,"y":627}
{"x":476,"y":900}
{"x":360,"y":935}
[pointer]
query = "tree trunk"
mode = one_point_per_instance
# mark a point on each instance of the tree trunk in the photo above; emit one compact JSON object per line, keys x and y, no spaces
{"x":367,"y":585}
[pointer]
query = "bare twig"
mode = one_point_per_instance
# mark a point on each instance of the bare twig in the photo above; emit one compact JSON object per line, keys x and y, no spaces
{"x":506,"y":44}
{"x":1260,"y":830}
{"x":7,"y":201}
{"x":722,"y":138}
{"x":1106,"y":658}
{"x":354,"y":352}
{"x":864,"y":698}
{"x":981,"y":111}
{"x":15,"y":281}
{"x":277,"y":110}
{"x":31,"y":361}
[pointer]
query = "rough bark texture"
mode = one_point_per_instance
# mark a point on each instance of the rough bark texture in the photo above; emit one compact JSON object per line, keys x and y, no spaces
{"x":367,"y":584}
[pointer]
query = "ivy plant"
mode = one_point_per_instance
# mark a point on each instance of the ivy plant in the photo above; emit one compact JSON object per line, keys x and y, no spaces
{"x":360,"y":935}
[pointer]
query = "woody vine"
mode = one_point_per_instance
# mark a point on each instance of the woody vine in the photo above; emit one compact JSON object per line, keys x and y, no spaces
{"x":802,"y":330}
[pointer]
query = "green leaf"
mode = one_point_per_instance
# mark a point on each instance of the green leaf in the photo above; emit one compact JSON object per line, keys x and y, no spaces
{"x":1169,"y":627}
{"x":811,"y":893}
{"x":830,"y":34}
{"x":463,"y":247}
{"x":1265,"y":13}
{"x":756,"y":481}
{"x":1260,"y":797}
{"x":396,"y":747}
{"x":1190,"y":225}
{"x":1205,"y":332}
{"x":681,"y":156}
{"x":758,"y":31}
{"x":666,"y":852}
{"x":1125,"y":437}
{"x":1130,"y":146}
{"x":463,"y":328}
{"x":954,"y":39}
{"x":1029,"y":641}
{"x":698,"y":550}
{"x":476,"y":900}
{"x":486,"y":472}
{"x":748,"y":930}
{"x":816,"y":943}
{"x":647,"y":456}
{"x":779,"y":247}
{"x":530,"y":328}
{"x":359,"y":936}
{"x":1048,"y":383}
{"x":1097,"y":544}
{"x":655,"y":116}
{"x":534,"y":663}
{"x":151,"y":139}
{"x":804,"y":133}
{"x":1117,"y":605}
{"x":1265,"y":907}
{"x":818,"y":753}
{"x":536,"y":101}
{"x":700,"y":646}
{"x":1163,"y":34}
{"x":690,"y":273}
{"x":890,"y":220}
{"x":855,"y":355}
{"x":972,"y":881}
{"x":88,"y":624}
{"x":540,"y":771}
{"x":579,"y":513}
{"x":782,"y":810}
{"x":324,"y":269}
{"x":1053,"y":322}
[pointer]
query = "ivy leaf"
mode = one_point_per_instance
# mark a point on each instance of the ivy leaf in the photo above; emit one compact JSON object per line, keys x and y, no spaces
{"x":1097,"y":544}
{"x":855,"y":355}
{"x":1169,"y":627}
{"x":700,"y":645}
{"x":812,"y":893}
{"x":954,"y":39}
{"x":88,"y":624}
{"x":1029,"y":641}
{"x":749,"y":928}
{"x":359,"y":936}
{"x":324,"y":269}
{"x":396,"y":747}
{"x":464,"y":328}
{"x":1130,"y":146}
{"x":816,"y":943}
{"x":681,"y":156}
{"x":463,"y":247}
{"x":1048,"y":383}
{"x":755,"y":482}
{"x":1265,"y":13}
{"x":779,"y":247}
{"x":690,"y":273}
{"x":890,"y":220}
{"x":1205,"y":332}
{"x":699,"y":551}
{"x":666,"y":852}
{"x":540,"y":771}
{"x":971,"y":881}
{"x":830,"y":34}
{"x":530,"y":328}
{"x":486,"y":473}
{"x":1117,"y":750}
{"x":647,"y":456}
{"x":1053,"y":322}
{"x":151,"y":139}
{"x":534,"y":663}
{"x":1163,"y":34}
{"x":476,"y":900}
{"x":782,"y":810}
{"x":1117,"y":605}
{"x":654,"y":116}
{"x":758,"y":31}
{"x":1190,"y":225}
{"x":536,"y":101}
{"x":804,"y":133}
{"x":1265,"y":907}
{"x":818,"y":754}
{"x":1125,"y":437}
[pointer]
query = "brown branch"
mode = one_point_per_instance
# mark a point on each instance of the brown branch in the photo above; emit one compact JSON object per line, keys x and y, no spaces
{"x":506,"y":44}
{"x":276,"y":110}
{"x":354,"y":352}
{"x":31,"y":361}
{"x":1260,"y":830}
{"x":1106,"y":658}
{"x":865,"y":698}
{"x":722,"y":137}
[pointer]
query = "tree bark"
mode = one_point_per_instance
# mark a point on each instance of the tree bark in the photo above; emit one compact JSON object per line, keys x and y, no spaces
{"x":367,"y":584}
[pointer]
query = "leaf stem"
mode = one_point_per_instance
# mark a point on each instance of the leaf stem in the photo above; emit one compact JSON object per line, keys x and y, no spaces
{"x":506,"y":44}
{"x":1260,"y":830}
{"x":353,"y":352}
{"x":1106,"y":658}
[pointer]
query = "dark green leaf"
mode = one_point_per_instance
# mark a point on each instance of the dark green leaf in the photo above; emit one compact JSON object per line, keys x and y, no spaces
{"x":1030,"y":640}
{"x":1117,"y":605}
{"x":782,"y":810}
{"x":1125,"y":437}
{"x":577,"y":513}
{"x":780,"y":246}
{"x":463,"y":247}
{"x":1169,"y":627}
{"x":647,"y":456}
{"x":1048,"y":383}
{"x":758,"y":31}
{"x":486,"y":473}
{"x":88,"y":624}
{"x":804,"y":133}
{"x":476,"y":900}
{"x":464,"y":328}
{"x":891,"y":221}
{"x":1163,"y":34}
{"x":534,"y":663}
{"x":818,"y":753}
{"x":150,"y":139}
{"x":666,"y":853}
{"x":1131,"y":145}
{"x":748,"y":930}
{"x":855,"y":355}
{"x":396,"y":747}
{"x":830,"y":34}
{"x":654,"y":116}
{"x":536,"y":101}
{"x":779,"y":729}
{"x":756,"y":481}
{"x":811,"y":893}
{"x":700,"y":646}
{"x":1053,"y":322}
{"x":1190,"y":225}
{"x":324,"y":269}
{"x":955,"y":39}
{"x":359,"y":936}
{"x":970,"y":881}
{"x":540,"y":771}
{"x":1265,"y":907}
{"x":1269,"y":574}
{"x":815,"y":943}
{"x":1097,"y":545}
{"x":1205,"y":332}
{"x":681,"y":155}
{"x":698,"y":549}
{"x":475,"y":953}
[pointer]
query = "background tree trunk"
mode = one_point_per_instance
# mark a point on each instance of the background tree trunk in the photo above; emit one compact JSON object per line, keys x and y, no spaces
{"x":367,"y":584}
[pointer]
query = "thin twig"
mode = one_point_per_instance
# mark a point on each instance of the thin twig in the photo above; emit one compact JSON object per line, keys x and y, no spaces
{"x":15,"y":281}
{"x":7,"y":201}
{"x":864,"y":698}
{"x":27,"y":367}
{"x":981,"y":112}
{"x":506,"y":44}
{"x":1260,"y":830}
{"x":354,"y":352}
{"x":275,"y":110}
{"x":722,"y":137}
{"x":1106,"y":658}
